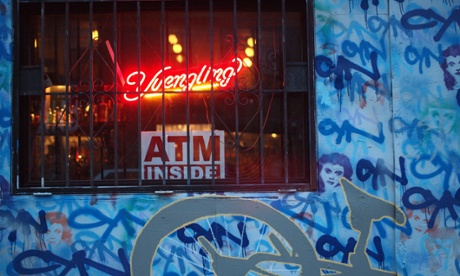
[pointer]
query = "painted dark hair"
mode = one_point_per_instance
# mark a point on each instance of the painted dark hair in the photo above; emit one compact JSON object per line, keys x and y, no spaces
{"x":453,"y":50}
{"x":334,"y":159}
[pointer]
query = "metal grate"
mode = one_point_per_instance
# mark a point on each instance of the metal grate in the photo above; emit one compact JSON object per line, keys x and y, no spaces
{"x":167,"y":95}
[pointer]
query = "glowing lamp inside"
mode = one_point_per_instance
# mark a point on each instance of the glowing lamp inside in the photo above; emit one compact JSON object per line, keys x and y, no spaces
{"x":95,"y":35}
{"x":249,"y":52}
{"x":247,"y":62}
{"x":177,"y":48}
{"x":172,"y":39}
{"x":251,"y":42}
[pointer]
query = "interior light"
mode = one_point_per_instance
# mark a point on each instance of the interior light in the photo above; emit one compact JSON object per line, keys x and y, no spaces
{"x":172,"y":38}
{"x":201,"y":87}
{"x":35,"y":43}
{"x":251,"y":42}
{"x":177,"y":48}
{"x":95,"y":35}
{"x":154,"y":95}
{"x":274,"y":135}
{"x":56,"y":88}
{"x":247,"y":62}
{"x":249,"y":51}
{"x":179,"y":58}
{"x":205,"y":87}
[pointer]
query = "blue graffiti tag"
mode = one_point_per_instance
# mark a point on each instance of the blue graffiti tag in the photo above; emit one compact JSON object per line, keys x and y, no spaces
{"x":328,"y":127}
{"x":365,"y":170}
{"x":216,"y":232}
{"x":325,"y":68}
{"x":457,"y":266}
{"x":78,"y":261}
{"x":432,"y":20}
{"x":379,"y":256}
{"x":334,"y":247}
{"x":438,"y":162}
{"x":310,"y":202}
{"x":415,"y":130}
{"x":447,"y":201}
{"x":412,"y":57}
{"x":123,"y":217}
{"x":23,"y":221}
{"x":180,"y":254}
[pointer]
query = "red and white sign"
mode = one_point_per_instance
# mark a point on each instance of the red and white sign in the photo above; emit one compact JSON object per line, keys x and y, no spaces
{"x":173,"y":153}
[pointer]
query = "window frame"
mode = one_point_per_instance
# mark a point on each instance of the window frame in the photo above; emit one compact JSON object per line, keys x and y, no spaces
{"x":167,"y":186}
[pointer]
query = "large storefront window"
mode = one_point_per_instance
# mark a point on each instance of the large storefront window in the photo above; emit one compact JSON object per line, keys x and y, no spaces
{"x":172,"y":95}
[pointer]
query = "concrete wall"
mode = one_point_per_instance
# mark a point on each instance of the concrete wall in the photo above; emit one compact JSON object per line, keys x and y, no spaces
{"x":384,"y":105}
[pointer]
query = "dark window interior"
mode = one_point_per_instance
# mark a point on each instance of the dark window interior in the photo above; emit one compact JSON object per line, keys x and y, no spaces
{"x":175,"y":95}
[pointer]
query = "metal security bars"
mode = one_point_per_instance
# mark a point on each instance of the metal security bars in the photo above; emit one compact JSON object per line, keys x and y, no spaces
{"x":163,"y":95}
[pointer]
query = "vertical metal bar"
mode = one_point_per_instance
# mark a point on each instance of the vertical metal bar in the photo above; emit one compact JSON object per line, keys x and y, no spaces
{"x":115,"y":101}
{"x":261,"y":96}
{"x":91,"y":94}
{"x":309,"y":21}
{"x":237,"y":135}
{"x":211,"y":61}
{"x":67,"y":104}
{"x":42,"y":66}
{"x":285,"y":106}
{"x":163,"y":99}
{"x":139,"y":127}
{"x":187,"y":95}
{"x":15,"y":107}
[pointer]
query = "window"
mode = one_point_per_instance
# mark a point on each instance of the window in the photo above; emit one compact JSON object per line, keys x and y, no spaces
{"x":163,"y":95}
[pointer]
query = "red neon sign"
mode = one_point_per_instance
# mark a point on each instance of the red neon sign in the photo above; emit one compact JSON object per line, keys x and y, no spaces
{"x":167,"y":79}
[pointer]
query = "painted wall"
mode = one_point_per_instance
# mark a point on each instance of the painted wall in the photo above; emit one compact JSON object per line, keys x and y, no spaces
{"x":387,"y":114}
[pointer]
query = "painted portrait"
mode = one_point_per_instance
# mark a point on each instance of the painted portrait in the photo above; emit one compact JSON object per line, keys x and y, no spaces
{"x":451,"y":69}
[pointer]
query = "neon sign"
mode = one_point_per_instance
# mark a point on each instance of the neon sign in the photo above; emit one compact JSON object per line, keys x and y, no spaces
{"x":167,"y":79}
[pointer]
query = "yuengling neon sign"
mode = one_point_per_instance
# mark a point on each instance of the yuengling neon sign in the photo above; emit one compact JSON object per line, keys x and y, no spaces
{"x":167,"y":79}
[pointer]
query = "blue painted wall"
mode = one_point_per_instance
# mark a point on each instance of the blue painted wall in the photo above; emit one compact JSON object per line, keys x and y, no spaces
{"x":385,"y":104}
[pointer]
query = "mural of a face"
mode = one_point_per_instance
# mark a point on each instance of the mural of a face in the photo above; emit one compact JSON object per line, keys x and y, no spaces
{"x":419,"y":221}
{"x":441,"y":120}
{"x":330,"y":174}
{"x":453,"y":67}
{"x":54,"y":234}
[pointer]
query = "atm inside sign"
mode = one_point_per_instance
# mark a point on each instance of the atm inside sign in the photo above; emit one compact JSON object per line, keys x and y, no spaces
{"x":169,"y":159}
